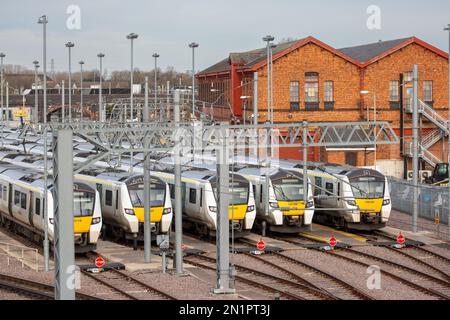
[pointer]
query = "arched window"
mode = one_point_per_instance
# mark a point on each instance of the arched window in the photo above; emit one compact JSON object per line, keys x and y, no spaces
{"x":311,"y":91}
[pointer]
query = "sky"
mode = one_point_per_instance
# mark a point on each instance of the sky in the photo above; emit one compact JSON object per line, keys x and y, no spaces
{"x":219,"y":26}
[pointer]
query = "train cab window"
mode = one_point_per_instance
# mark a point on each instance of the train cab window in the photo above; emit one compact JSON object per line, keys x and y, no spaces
{"x":192,"y":195}
{"x":16,"y":198}
{"x":330,"y":188}
{"x":23,"y":200}
{"x":37,"y":207}
{"x":108,"y":198}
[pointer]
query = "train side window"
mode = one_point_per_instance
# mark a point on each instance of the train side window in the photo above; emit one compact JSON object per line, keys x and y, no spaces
{"x":37,"y":208}
{"x":16,"y":198}
{"x":201,"y":197}
{"x":5,"y":193}
{"x":338,"y":189}
{"x":117,"y":199}
{"x":1,"y":191}
{"x":108,"y":198}
{"x":330,"y":188}
{"x":318,"y":186}
{"x":261,"y":194}
{"x":192,"y":195}
{"x":23,"y":200}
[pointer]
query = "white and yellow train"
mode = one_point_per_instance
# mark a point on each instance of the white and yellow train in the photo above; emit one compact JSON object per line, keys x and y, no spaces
{"x":22,"y":207}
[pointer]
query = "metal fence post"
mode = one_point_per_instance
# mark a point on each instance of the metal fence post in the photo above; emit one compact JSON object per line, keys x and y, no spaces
{"x":178,"y":206}
{"x":223,"y":221}
{"x":147,"y":221}
{"x":63,"y":215}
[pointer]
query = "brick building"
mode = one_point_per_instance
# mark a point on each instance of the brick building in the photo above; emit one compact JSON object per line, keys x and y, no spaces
{"x":315,"y":82}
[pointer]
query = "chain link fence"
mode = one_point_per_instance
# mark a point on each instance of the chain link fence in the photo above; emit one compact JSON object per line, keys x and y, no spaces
{"x":432,"y":202}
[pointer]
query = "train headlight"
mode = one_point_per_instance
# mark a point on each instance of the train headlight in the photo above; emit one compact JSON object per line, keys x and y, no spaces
{"x":167,"y":210}
{"x":274,"y":205}
{"x":129,"y":211}
{"x":213,"y":209}
{"x":96,"y":220}
{"x":351,"y":203}
{"x":386,"y":202}
{"x":250,"y":208}
{"x":310,"y":204}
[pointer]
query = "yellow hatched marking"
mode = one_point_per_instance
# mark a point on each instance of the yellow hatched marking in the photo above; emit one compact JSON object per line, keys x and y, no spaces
{"x":349,"y":235}
{"x":310,"y":236}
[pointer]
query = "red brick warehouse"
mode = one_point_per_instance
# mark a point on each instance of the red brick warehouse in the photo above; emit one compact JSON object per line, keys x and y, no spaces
{"x":315,"y":82}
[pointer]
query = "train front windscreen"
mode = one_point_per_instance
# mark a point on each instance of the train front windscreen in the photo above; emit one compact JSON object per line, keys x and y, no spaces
{"x":288,"y":189}
{"x":367,"y":187}
{"x":157,"y":195}
{"x":83,"y":203}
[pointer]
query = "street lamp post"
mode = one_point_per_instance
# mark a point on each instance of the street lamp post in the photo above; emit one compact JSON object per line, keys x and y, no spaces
{"x":193,"y":45}
{"x":132,"y":37}
{"x":156,"y":56}
{"x":269,"y":39}
{"x":70,"y":45}
{"x":2,"y":56}
{"x":81,"y":90}
{"x":101,"y":115}
{"x":448,"y":150}
{"x":36,"y":101}
{"x":43,"y":20}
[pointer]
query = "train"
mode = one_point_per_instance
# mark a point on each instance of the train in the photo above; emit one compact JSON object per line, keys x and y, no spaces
{"x":22,"y":206}
{"x":351,"y":198}
{"x":283,"y":209}
{"x":121,"y":197}
{"x":199,"y":204}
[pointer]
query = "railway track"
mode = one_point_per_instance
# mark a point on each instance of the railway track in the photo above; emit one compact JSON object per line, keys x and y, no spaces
{"x":126,"y":285}
{"x":312,"y":276}
{"x":416,"y":248}
{"x":289,"y":289}
{"x":34,"y":289}
{"x":429,"y":285}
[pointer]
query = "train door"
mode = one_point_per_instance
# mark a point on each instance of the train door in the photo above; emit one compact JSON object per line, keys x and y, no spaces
{"x":10,"y":199}
{"x":31,"y":208}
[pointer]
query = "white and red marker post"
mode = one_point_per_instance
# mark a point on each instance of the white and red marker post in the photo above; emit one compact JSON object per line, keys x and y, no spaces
{"x":99,"y":262}
{"x":332,"y":242}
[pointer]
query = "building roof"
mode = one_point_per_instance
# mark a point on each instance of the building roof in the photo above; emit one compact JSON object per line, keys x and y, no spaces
{"x":362,"y":55}
{"x":367,"y":52}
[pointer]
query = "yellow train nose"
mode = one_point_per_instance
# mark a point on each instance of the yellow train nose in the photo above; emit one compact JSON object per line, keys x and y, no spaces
{"x":369,"y":205}
{"x":237,"y":212}
{"x":294,"y":207}
{"x":82,"y":224}
{"x":155,"y":214}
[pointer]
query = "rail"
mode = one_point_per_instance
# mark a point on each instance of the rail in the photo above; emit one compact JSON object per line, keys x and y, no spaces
{"x":10,"y":249}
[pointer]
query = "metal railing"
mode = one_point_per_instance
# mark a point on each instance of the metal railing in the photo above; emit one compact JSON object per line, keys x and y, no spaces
{"x":20,"y":253}
{"x":433,"y":116}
